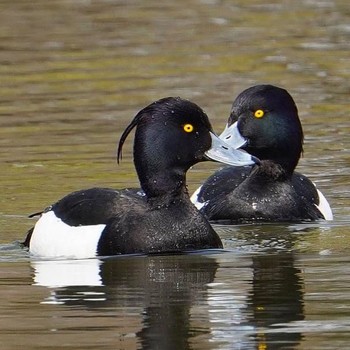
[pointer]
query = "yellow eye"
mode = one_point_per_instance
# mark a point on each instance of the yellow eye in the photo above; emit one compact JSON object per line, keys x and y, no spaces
{"x":259,"y":113}
{"x":188,"y":127}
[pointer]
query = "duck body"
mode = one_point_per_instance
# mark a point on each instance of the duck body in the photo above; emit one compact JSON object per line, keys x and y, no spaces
{"x":239,"y":195}
{"x":167,"y":227}
{"x":267,"y":119}
{"x":172,"y":135}
{"x":103,"y":222}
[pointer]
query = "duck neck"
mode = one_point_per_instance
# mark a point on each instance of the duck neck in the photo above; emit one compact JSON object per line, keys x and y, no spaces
{"x":163,"y":186}
{"x":277,"y":161}
{"x":161,"y":173}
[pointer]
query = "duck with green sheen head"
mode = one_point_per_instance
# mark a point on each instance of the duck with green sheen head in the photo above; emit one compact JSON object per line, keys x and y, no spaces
{"x":264,"y":121}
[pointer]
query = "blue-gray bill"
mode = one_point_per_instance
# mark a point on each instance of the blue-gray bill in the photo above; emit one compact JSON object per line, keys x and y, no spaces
{"x":232,"y":136}
{"x":225,"y":153}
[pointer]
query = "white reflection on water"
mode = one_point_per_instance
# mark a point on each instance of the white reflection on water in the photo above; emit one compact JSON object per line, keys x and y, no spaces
{"x":62,"y":273}
{"x":69,"y":273}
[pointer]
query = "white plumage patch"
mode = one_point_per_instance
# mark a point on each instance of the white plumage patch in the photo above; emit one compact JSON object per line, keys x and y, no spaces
{"x":324,"y":206}
{"x":194,"y":199}
{"x":52,"y":238}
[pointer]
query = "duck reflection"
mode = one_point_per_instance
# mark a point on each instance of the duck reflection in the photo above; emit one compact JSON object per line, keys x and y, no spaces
{"x":276,"y":300}
{"x":156,"y":291}
{"x":171,"y":286}
{"x":260,"y":296}
{"x":222,"y":301}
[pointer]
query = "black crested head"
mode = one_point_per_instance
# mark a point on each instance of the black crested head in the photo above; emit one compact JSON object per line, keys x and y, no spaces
{"x":160,"y":110}
{"x":268,"y":119}
{"x":172,"y":134}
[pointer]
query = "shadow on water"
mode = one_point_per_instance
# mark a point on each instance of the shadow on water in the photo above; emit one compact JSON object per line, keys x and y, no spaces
{"x":178,"y":300}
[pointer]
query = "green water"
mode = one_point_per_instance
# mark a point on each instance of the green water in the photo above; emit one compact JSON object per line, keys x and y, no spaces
{"x":73,"y":74}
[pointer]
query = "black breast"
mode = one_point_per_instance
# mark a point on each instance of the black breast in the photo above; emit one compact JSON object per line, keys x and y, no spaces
{"x":166,"y":229}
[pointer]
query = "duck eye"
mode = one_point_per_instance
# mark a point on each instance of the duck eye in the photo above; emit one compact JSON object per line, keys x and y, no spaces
{"x":188,"y":127}
{"x":259,"y":113}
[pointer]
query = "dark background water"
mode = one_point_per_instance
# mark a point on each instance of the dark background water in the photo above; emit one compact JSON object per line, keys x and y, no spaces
{"x":73,"y":74}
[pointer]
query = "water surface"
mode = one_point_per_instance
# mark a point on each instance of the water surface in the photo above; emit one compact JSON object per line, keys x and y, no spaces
{"x":73,"y":74}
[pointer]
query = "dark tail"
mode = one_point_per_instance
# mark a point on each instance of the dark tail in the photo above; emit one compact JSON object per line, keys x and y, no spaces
{"x":29,"y":236}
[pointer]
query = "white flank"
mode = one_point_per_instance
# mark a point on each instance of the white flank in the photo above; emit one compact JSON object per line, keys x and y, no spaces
{"x":324,"y":206}
{"x":52,"y":238}
{"x":194,"y":199}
